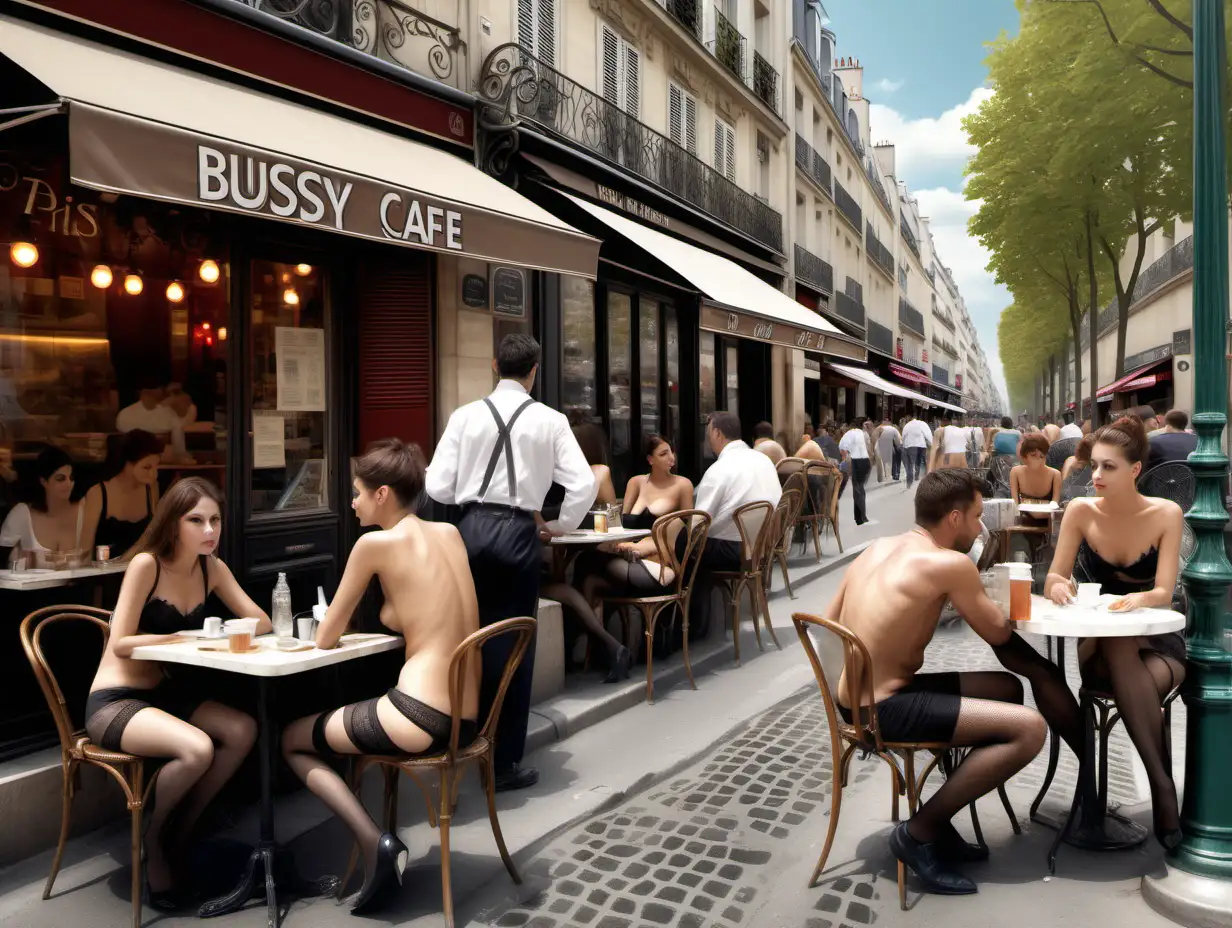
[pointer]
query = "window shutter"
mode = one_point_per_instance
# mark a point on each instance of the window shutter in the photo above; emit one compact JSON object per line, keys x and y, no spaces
{"x":729,"y":150}
{"x":610,"y":81}
{"x":633,"y":70}
{"x":690,"y":124}
{"x":675,"y":114}
{"x":546,"y":47}
{"x":720,"y":145}
{"x":526,"y":25}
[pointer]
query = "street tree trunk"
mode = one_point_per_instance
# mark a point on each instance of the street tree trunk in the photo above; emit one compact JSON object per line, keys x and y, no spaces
{"x":1125,"y":287}
{"x":1093,"y":319}
{"x":1075,"y":322}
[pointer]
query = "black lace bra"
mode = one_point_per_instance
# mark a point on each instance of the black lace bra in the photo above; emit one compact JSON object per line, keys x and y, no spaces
{"x":1131,"y":578}
{"x":159,"y":617}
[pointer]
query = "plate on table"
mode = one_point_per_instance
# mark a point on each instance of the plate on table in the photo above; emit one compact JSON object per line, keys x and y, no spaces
{"x":1038,"y":509}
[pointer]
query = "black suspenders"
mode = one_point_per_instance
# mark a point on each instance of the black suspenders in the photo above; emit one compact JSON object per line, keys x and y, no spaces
{"x":505,"y":446}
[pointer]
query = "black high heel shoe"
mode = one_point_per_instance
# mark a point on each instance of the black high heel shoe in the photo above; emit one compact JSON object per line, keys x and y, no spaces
{"x":1170,"y":836}
{"x":391,"y":858}
{"x":622,"y":663}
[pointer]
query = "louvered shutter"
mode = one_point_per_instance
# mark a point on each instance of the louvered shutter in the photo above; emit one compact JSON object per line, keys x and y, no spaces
{"x":720,"y":145}
{"x":725,"y":149}
{"x":633,"y":70}
{"x":690,"y":123}
{"x":546,"y":49}
{"x":610,"y":76}
{"x":526,"y":25}
{"x":675,"y":114}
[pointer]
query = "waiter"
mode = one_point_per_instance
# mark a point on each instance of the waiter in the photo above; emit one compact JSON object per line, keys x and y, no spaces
{"x":497,"y":460}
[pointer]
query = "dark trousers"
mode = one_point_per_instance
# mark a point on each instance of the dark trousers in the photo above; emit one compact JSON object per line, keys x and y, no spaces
{"x":898,"y":463}
{"x":917,"y":463}
{"x":860,"y":469}
{"x":717,"y":555}
{"x":505,"y":556}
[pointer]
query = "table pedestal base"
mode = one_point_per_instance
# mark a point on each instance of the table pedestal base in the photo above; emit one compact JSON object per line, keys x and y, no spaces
{"x":268,"y":866}
{"x":1112,"y":834}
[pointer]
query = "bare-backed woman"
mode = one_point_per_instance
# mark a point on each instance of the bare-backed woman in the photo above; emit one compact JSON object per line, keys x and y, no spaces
{"x":429,"y":600}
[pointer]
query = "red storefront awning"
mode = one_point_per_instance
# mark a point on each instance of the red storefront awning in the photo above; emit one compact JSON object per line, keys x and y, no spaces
{"x":1138,"y":380}
{"x":908,"y":374}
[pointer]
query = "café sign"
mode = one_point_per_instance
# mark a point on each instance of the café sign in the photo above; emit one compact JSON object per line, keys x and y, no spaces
{"x":629,"y":205}
{"x":726,"y":322}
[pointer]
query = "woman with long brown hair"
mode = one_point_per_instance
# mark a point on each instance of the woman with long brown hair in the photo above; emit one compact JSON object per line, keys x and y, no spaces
{"x":136,"y":707}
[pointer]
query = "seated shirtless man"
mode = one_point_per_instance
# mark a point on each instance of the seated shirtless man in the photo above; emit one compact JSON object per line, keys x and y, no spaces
{"x":891,"y":597}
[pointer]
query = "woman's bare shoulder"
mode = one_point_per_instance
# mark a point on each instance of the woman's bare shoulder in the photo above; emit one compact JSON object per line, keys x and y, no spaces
{"x":1159,"y":507}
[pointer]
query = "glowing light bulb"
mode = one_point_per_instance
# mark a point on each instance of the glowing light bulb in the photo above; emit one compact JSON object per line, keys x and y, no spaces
{"x":303,"y":270}
{"x":208,"y":271}
{"x":23,"y":254}
{"x":133,"y":284}
{"x":101,"y":276}
{"x":290,"y":297}
{"x":222,"y":333}
{"x":175,"y":291}
{"x":205,"y":326}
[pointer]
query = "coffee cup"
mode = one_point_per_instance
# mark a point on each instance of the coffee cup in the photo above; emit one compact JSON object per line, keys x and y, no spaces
{"x":212,"y":627}
{"x":303,"y":629}
{"x":1088,"y":594}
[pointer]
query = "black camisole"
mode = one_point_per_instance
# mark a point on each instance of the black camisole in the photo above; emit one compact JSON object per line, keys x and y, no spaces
{"x":118,"y":533}
{"x":1137,"y":577}
{"x":159,"y":617}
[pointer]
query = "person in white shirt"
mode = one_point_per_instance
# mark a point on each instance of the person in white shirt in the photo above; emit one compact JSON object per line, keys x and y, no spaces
{"x":497,"y":460}
{"x":917,"y":436}
{"x":738,"y":476}
{"x":149,"y":413}
{"x":1071,"y":429}
{"x":890,"y":447}
{"x":854,"y":448}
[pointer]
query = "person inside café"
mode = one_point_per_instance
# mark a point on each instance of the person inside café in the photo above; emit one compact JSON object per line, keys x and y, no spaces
{"x":149,"y":412}
{"x":763,"y":441}
{"x":1033,"y":481}
{"x":141,"y":708}
{"x":1130,"y":544}
{"x":50,"y":521}
{"x":430,"y":600}
{"x":118,"y":510}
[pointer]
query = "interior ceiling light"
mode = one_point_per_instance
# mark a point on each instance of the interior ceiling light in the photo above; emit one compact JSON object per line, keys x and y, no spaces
{"x":24,"y":254}
{"x":175,"y":291}
{"x":290,"y":297}
{"x":133,"y":284}
{"x":101,"y":276}
{"x":208,"y":271}
{"x":303,"y":270}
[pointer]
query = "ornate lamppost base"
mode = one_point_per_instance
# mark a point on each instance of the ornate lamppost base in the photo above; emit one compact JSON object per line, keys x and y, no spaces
{"x":1188,"y":899}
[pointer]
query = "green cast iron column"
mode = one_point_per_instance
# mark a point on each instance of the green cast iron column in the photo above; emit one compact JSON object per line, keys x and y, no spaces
{"x":1198,"y":887}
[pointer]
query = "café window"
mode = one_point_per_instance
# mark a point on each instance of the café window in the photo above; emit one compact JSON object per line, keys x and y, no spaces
{"x":577,"y":302}
{"x":620,"y":381}
{"x":288,"y":314}
{"x":648,"y":358}
{"x":707,"y":390}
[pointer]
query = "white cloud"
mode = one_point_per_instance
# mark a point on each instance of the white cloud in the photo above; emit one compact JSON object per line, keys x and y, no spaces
{"x":928,"y":145}
{"x":885,"y":85}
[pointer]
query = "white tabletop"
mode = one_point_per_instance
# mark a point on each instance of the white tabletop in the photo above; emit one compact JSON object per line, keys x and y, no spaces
{"x":23,"y":580}
{"x":268,"y":661}
{"x":1038,"y":509}
{"x":587,"y":537}
{"x":1074,"y":621}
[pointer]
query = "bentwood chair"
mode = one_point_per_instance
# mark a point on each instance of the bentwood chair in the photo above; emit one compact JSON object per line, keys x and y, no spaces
{"x":864,"y":734}
{"x":823,"y":481}
{"x":1060,"y":451}
{"x":696,"y":526}
{"x":788,"y":510}
{"x":76,"y":749}
{"x":757,"y":527}
{"x":452,"y":763}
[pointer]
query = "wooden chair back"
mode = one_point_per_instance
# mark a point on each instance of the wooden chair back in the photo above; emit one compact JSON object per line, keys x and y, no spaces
{"x":864,"y":728}
{"x":785,"y":514}
{"x":460,"y":665}
{"x":32,"y":628}
{"x":696,"y":526}
{"x":756,"y":524}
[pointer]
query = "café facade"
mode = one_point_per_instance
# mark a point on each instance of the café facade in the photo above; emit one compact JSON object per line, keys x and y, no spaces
{"x":292,"y":269}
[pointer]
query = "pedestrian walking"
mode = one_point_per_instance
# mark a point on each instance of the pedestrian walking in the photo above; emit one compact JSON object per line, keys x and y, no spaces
{"x":497,"y":460}
{"x":890,"y":448}
{"x":854,"y":448}
{"x":917,"y":436}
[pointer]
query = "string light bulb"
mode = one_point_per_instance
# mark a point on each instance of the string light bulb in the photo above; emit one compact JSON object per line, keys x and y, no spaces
{"x":209,"y":271}
{"x":24,"y":254}
{"x":303,"y":270}
{"x":175,"y":291}
{"x":101,"y":276}
{"x":133,"y":284}
{"x":222,"y":333}
{"x":290,"y":297}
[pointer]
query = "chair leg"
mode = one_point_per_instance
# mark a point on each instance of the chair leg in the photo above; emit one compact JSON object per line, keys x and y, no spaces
{"x":1104,"y":729}
{"x":1009,"y":809}
{"x":649,"y":631}
{"x":391,"y":799}
{"x":1167,"y":737}
{"x":913,"y":796}
{"x":765,"y":615}
{"x":782,"y":559}
{"x":739,"y":590}
{"x":136,"y":806}
{"x":444,"y":818}
{"x":836,"y":804}
{"x":488,"y":783}
{"x":66,"y":819}
{"x":357,"y":773}
{"x":754,"y":586}
{"x":816,"y":538}
{"x":837,"y":537}
{"x":894,"y":793}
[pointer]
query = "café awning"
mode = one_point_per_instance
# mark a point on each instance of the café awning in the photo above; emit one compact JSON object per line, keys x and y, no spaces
{"x":737,"y":302}
{"x":1140,"y":379}
{"x":869,"y":379}
{"x":141,"y":127}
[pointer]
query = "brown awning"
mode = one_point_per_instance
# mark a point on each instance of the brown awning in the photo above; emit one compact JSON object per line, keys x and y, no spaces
{"x":140,"y":127}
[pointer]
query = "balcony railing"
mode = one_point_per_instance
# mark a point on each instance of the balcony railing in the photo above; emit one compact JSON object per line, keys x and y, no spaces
{"x":877,"y":251}
{"x":944,"y":345}
{"x":847,"y":308}
{"x":517,"y":87}
{"x":814,"y":272}
{"x":688,"y":13}
{"x":873,"y":171}
{"x":912,"y":355}
{"x":766,"y":82}
{"x":728,"y":45}
{"x":909,"y":317}
{"x":855,"y":290}
{"x":944,"y":318}
{"x":1175,"y":261}
{"x":880,"y":337}
{"x":812,"y":164}
{"x":386,"y":29}
{"x":848,"y":206}
{"x":941,"y":375}
{"x":909,"y":237}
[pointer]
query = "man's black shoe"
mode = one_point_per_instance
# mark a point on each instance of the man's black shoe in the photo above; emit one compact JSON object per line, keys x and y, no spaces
{"x":954,"y":848}
{"x":516,"y":777}
{"x":928,"y":865}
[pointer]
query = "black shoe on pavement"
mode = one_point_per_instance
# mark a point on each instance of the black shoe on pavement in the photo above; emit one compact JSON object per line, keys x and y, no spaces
{"x":391,"y":858}
{"x":622,"y":663}
{"x":516,"y":777}
{"x":926,"y":861}
{"x":954,"y":848}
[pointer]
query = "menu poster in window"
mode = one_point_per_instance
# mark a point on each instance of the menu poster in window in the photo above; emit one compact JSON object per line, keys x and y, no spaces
{"x":268,"y":443}
{"x":509,"y":292}
{"x":301,"y":369}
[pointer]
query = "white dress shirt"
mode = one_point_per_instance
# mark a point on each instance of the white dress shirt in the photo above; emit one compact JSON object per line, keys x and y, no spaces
{"x":159,"y":420}
{"x":739,"y":475}
{"x":544,"y":452}
{"x":1072,"y":430}
{"x":917,"y":434}
{"x":855,"y":444}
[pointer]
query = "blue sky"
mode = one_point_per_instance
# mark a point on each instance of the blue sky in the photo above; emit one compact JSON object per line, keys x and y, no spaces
{"x":923,"y":72}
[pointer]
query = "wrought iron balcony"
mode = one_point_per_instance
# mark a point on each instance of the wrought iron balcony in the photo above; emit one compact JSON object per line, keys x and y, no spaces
{"x":911,"y":355}
{"x":386,"y":29}
{"x":940,"y":374}
{"x":766,"y":82}
{"x":847,"y":308}
{"x":848,"y":206}
{"x":877,"y":251}
{"x":728,"y":45}
{"x":688,"y":13}
{"x":814,"y":272}
{"x":944,"y":345}
{"x":516,"y":88}
{"x":812,"y":164}
{"x":880,"y":337}
{"x":944,"y":318}
{"x":909,"y":317}
{"x":909,"y":238}
{"x":855,"y":290}
{"x":1175,"y":261}
{"x":874,"y":175}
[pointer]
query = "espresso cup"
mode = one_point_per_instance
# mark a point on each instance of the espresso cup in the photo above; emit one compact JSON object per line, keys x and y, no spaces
{"x":212,"y":627}
{"x":1088,"y":594}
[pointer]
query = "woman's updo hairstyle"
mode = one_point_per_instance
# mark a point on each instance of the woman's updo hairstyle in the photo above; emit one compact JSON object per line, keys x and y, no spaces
{"x":1127,"y":433}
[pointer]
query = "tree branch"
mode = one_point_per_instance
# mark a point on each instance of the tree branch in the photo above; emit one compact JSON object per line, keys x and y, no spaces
{"x":1127,"y":48}
{"x":1185,"y":29}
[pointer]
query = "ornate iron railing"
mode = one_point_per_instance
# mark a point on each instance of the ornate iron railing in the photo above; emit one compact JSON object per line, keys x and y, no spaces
{"x":688,"y":13}
{"x":855,"y":290}
{"x":814,"y":272}
{"x":945,"y":345}
{"x":1175,"y":261}
{"x":941,"y":375}
{"x":766,"y":82}
{"x":728,"y":45}
{"x":847,"y":308}
{"x":910,"y":317}
{"x":880,"y":255}
{"x":873,"y":170}
{"x":812,"y":164}
{"x":909,"y":237}
{"x":944,"y":318}
{"x":911,"y":355}
{"x":848,"y":206}
{"x":517,"y":87}
{"x":880,"y":337}
{"x":386,"y":29}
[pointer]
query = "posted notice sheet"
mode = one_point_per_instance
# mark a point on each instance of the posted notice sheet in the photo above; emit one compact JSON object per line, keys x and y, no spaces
{"x":301,"y":369}
{"x":268,"y":446}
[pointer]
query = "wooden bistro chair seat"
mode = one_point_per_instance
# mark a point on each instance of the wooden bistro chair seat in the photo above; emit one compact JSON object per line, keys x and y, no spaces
{"x":696,"y":525}
{"x":452,"y":763}
{"x":864,"y":733}
{"x":76,"y":749}
{"x":758,"y":533}
{"x":788,"y":511}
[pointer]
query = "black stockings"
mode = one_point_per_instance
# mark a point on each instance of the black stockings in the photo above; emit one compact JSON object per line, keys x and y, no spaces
{"x":1052,"y":694}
